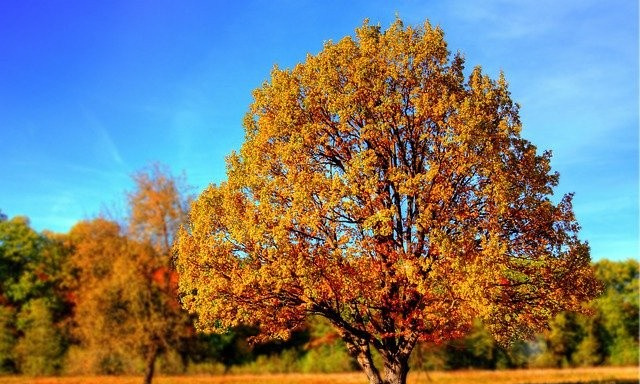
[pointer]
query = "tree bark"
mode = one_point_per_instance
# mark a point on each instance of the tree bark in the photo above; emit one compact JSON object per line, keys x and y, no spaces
{"x":396,"y":359}
{"x":150,"y":365}
{"x":396,"y":370}
{"x":359,"y":349}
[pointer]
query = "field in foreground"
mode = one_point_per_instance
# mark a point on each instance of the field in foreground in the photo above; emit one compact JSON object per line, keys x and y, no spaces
{"x":609,"y":375}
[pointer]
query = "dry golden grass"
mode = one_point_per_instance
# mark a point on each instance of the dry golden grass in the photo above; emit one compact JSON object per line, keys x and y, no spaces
{"x":577,"y":375}
{"x":531,"y":376}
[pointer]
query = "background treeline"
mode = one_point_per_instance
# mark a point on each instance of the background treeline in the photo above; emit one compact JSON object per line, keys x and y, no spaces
{"x":101,"y":299}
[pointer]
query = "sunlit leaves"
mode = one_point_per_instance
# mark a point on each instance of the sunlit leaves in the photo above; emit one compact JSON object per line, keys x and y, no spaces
{"x":381,"y":189}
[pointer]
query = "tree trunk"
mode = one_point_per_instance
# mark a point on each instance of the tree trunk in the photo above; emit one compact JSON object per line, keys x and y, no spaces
{"x":396,"y":362}
{"x":150,"y":365}
{"x":359,"y":349}
{"x":396,"y":370}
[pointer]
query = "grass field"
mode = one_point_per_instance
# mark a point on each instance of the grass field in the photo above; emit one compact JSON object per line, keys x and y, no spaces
{"x":608,"y":375}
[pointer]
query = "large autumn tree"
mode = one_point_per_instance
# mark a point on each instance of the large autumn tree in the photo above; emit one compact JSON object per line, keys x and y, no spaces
{"x":381,"y":188}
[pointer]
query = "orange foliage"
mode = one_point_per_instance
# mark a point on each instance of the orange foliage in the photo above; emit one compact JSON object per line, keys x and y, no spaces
{"x":166,"y":278}
{"x":125,"y":290}
{"x":380,"y":189}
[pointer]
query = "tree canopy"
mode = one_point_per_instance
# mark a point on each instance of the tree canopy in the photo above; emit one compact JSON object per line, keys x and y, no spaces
{"x":382,"y":188}
{"x":126,"y":285}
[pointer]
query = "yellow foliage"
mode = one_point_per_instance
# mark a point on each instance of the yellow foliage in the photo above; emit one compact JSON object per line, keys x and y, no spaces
{"x":380,"y":189}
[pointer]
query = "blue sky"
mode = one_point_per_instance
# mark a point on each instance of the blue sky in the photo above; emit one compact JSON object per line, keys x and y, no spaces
{"x":92,"y":91}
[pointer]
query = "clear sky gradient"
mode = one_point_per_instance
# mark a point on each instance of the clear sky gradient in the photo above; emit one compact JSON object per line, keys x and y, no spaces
{"x":92,"y":91}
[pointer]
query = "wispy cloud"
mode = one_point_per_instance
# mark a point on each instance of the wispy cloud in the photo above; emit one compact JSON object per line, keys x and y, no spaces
{"x":511,"y":20}
{"x":78,"y":192}
{"x":104,"y":140}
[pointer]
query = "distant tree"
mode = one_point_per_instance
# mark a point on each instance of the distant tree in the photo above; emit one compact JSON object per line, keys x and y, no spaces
{"x":381,"y":190}
{"x":560,"y":341}
{"x":40,"y":350}
{"x":477,"y":349}
{"x":229,"y":349}
{"x":619,"y":310}
{"x":8,"y":336}
{"x":325,"y":351}
{"x":127,"y":285}
{"x":33,"y":309}
{"x":590,"y":349}
{"x":20,"y":259}
{"x":102,"y":322}
{"x":609,"y":335}
{"x":158,"y":207}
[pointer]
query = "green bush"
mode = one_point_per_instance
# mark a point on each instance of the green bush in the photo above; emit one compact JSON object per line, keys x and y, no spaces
{"x":7,"y":340}
{"x":286,"y":361}
{"x":40,"y":351}
{"x":624,"y":351}
{"x":206,"y":368}
{"x":328,"y":358}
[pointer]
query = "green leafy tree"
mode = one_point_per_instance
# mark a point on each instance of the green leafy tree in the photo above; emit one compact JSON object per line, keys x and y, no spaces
{"x":609,"y":335}
{"x":33,"y":334}
{"x":40,"y":350}
{"x":478,"y":349}
{"x":8,"y":338}
{"x":229,"y":349}
{"x":20,"y":257}
{"x":589,"y":351}
{"x":325,"y":350}
{"x":560,"y":341}
{"x":618,"y":308}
